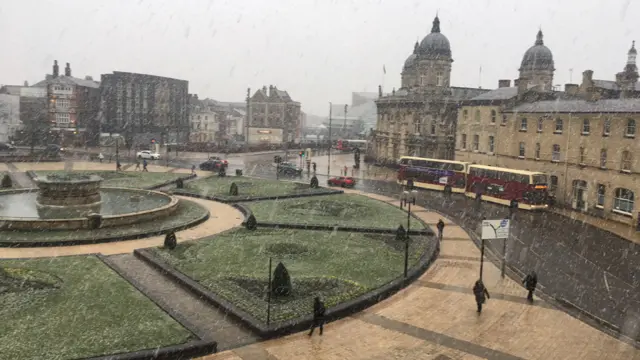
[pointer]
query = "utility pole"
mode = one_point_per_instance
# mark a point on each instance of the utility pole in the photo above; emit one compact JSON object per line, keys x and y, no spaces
{"x":329,"y":150}
{"x":246,"y":122}
{"x":344,"y":126}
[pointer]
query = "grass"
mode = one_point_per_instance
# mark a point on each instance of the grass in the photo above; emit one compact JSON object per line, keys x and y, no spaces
{"x":186,"y":213}
{"x":337,"y":266}
{"x":247,"y":187}
{"x":343,"y":210}
{"x":88,"y":311}
{"x":126,"y":179}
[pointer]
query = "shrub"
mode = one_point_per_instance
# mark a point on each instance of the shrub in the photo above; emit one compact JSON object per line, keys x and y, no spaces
{"x":251,"y":223}
{"x":170,"y":240}
{"x":281,"y":283}
{"x":95,"y":220}
{"x":222,"y":172}
{"x":401,"y":233}
{"x":233,"y":190}
{"x":314,"y":182}
{"x":6,"y":182}
{"x":180,"y":183}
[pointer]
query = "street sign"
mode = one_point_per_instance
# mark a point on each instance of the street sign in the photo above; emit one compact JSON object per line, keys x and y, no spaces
{"x":495,"y":229}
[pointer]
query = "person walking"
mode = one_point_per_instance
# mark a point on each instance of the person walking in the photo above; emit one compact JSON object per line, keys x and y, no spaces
{"x":440,"y":226}
{"x":137,"y":165}
{"x":318,"y":315}
{"x":118,"y":165}
{"x":530,"y":282}
{"x":100,"y":157}
{"x":144,"y":165}
{"x":481,"y":293}
{"x":346,"y":169}
{"x":193,"y":169}
{"x":314,"y":167}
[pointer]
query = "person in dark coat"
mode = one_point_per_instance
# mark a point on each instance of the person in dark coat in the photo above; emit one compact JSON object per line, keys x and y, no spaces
{"x":530,"y":282}
{"x":318,"y":315}
{"x":440,"y":226}
{"x":481,"y":294}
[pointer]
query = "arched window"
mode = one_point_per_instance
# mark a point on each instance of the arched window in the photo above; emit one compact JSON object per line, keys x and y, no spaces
{"x":631,"y":128}
{"x":433,"y":128}
{"x":559,"y":125}
{"x":623,"y":200}
{"x":477,"y":116}
{"x":493,"y":116}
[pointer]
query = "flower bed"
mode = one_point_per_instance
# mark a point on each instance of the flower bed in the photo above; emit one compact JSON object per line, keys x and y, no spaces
{"x":127,"y":179}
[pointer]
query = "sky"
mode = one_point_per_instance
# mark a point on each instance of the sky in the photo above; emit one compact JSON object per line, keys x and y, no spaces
{"x":319,"y":51}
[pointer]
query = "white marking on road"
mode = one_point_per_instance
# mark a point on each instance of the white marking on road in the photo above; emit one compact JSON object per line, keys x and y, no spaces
{"x":606,"y":283}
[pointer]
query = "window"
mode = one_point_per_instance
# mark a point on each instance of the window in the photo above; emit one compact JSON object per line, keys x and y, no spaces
{"x":476,"y":142}
{"x":521,"y":150}
{"x":559,"y":125}
{"x":540,"y":122}
{"x":463,"y":141}
{"x":62,"y":104}
{"x":465,"y":115}
{"x":625,"y":164}
{"x":603,"y":158}
{"x":63,"y":118}
{"x":416,"y":128}
{"x":555,"y":154}
{"x":493,"y":116}
{"x":623,"y":201}
{"x":601,"y":193}
{"x":553,"y":185}
{"x":586,"y":127}
{"x":423,"y":80}
{"x":504,"y":119}
{"x":439,"y":79}
{"x":631,"y":128}
{"x":581,"y":155}
{"x":198,"y":117}
{"x":477,"y":116}
{"x":433,"y":128}
{"x":523,"y":124}
{"x":537,"y":151}
{"x":491,"y":144}
{"x":606,"y":127}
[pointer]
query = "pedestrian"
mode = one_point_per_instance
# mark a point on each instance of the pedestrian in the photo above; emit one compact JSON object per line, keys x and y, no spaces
{"x":137,"y":165}
{"x":100,"y":157}
{"x":481,"y":294}
{"x":440,"y":226}
{"x":118,"y":165}
{"x":193,"y":169}
{"x":530,"y":282}
{"x":318,"y":315}
{"x":346,"y":169}
{"x":144,"y":165}
{"x":314,"y":167}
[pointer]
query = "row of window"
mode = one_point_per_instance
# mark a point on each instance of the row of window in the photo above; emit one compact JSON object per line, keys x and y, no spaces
{"x":623,"y":199}
{"x":63,"y":118}
{"x":61,"y":88}
{"x":625,"y":163}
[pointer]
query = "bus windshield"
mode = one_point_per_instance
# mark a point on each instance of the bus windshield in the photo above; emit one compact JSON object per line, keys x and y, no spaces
{"x":539,"y":179}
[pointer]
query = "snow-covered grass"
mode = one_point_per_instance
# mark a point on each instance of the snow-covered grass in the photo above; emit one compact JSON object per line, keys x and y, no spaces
{"x":344,"y":209}
{"x":126,"y":179}
{"x":92,"y":311}
{"x":247,"y":187}
{"x":337,"y":266}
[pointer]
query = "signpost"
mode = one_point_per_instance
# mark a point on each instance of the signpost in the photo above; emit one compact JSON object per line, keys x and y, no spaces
{"x":491,"y":230}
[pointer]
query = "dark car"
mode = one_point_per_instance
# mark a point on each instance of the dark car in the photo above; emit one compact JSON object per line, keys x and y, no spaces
{"x":343,"y":181}
{"x":218,"y":158}
{"x":213,"y":165}
{"x":7,"y":147}
{"x":289,"y":169}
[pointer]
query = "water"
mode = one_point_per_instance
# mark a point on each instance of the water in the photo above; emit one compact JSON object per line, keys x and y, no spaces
{"x":114,"y":202}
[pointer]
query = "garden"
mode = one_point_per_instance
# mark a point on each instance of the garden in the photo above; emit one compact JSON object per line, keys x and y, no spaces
{"x":77,"y":307}
{"x":335,"y":265}
{"x":248,"y":187}
{"x":126,"y":179}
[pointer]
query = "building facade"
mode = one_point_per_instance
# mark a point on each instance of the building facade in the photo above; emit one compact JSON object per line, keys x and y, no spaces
{"x":204,"y":121}
{"x":274,"y":118}
{"x":9,"y":117}
{"x":34,"y":116}
{"x":584,"y":137}
{"x":145,"y":107}
{"x":420,"y":118}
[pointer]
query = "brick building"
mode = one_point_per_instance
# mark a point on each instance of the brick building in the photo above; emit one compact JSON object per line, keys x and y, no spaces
{"x":274,"y":118}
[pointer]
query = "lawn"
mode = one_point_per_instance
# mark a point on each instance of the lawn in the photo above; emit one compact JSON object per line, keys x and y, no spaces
{"x":340,"y":209}
{"x":247,"y":187}
{"x":187,"y":212}
{"x":77,"y":307}
{"x":337,"y":266}
{"x":126,"y":179}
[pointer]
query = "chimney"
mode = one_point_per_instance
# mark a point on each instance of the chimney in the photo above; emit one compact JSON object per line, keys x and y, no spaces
{"x":587,"y":78}
{"x":516,"y":82}
{"x":26,"y":83}
{"x":379,"y":90}
{"x":571,"y":89}
{"x":264,"y":89}
{"x":67,"y":70}
{"x":271,"y":87}
{"x":56,"y":69}
{"x":504,"y":83}
{"x":88,"y":77}
{"x":587,"y":87}
{"x":522,"y":86}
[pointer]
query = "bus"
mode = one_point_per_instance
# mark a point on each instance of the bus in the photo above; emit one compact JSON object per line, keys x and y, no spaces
{"x":503,"y":186}
{"x":351,"y":145}
{"x":433,"y":174}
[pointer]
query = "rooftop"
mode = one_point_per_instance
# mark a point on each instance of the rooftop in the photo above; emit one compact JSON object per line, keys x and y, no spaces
{"x":580,"y":106}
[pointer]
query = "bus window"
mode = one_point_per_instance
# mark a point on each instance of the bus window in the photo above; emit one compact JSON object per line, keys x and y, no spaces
{"x":404,"y":161}
{"x":458,"y":167}
{"x":539,"y":179}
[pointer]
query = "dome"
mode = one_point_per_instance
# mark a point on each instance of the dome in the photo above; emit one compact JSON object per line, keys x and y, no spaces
{"x":435,"y":45}
{"x":538,"y":57}
{"x":412,"y":58}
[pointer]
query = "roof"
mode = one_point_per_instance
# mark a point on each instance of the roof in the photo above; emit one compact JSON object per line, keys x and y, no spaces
{"x":537,"y":57}
{"x":611,"y":85}
{"x":522,"y":172}
{"x":580,"y":106}
{"x":435,"y":45}
{"x":457,"y":94}
{"x":69,"y":80}
{"x":504,"y":93}
{"x":11,"y":89}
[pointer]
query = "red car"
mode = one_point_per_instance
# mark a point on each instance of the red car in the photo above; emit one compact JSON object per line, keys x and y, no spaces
{"x":343,"y":181}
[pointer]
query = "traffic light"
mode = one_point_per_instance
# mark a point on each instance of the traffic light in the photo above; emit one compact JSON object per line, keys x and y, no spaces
{"x":301,"y":154}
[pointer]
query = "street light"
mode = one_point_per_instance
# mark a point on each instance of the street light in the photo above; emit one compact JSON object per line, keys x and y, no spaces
{"x":407,"y":199}
{"x":329,"y":150}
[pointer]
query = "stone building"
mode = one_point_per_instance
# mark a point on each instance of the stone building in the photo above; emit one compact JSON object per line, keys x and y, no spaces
{"x":274,"y":118}
{"x":204,"y":120}
{"x":584,"y":137}
{"x":420,"y":118}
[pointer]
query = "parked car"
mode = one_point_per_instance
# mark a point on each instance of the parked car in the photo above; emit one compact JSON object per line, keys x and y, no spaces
{"x":213,"y":165}
{"x":146,"y":154}
{"x":53,"y":150}
{"x":343,"y":181}
{"x":7,"y":147}
{"x":218,"y":158}
{"x":287,"y":168}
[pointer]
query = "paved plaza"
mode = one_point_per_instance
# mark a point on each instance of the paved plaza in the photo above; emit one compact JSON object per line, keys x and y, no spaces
{"x":433,"y":318}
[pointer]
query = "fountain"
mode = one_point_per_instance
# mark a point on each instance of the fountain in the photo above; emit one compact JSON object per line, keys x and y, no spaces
{"x":70,"y":201}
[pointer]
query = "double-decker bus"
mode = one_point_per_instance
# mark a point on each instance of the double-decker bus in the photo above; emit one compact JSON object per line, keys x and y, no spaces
{"x":351,"y":145}
{"x":502,"y":186}
{"x":433,"y":174}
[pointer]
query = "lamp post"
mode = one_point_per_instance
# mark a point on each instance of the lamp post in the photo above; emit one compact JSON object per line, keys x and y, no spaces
{"x":407,"y":199}
{"x":329,"y":149}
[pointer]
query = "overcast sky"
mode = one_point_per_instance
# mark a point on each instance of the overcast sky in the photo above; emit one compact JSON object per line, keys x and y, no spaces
{"x":319,"y":51}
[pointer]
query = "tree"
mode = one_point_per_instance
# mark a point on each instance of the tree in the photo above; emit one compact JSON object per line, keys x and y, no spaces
{"x":170,"y":240}
{"x":251,"y":222}
{"x":7,"y":183}
{"x":233,"y":190}
{"x":281,"y":284}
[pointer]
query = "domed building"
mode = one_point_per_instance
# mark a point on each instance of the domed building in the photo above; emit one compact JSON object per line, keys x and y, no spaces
{"x":537,"y":65}
{"x":419,"y":118}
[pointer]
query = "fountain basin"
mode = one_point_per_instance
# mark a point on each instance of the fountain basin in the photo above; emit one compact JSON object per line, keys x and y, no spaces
{"x":20,"y":209}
